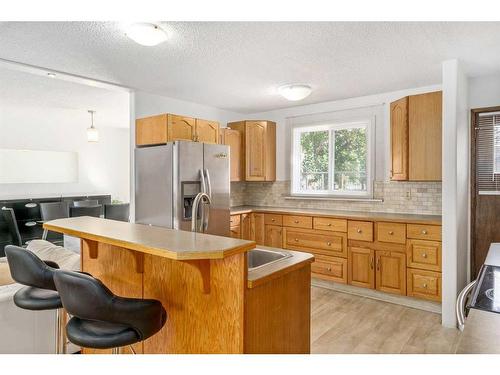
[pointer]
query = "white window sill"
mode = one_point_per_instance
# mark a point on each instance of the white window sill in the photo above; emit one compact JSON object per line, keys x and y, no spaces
{"x":323,"y":198}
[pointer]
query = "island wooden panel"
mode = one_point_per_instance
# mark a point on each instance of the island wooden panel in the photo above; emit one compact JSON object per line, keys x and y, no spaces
{"x":199,"y":321}
{"x":277,"y":315}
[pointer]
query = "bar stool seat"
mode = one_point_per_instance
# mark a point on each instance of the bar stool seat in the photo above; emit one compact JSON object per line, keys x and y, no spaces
{"x":31,"y":298}
{"x":103,"y":320}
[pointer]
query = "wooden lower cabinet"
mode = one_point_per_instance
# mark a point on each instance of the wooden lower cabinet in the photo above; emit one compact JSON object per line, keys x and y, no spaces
{"x":246,"y":226}
{"x":317,"y":242}
{"x":424,"y":284}
{"x":361,"y":267}
{"x":273,"y":236}
{"x":235,"y":231}
{"x":390,"y":275}
{"x":258,"y":228}
{"x":330,"y":268}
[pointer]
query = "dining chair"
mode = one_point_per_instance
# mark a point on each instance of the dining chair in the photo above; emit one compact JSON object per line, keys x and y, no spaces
{"x":94,"y":211}
{"x":53,"y":211}
{"x":86,"y":203}
{"x":10,"y":218}
{"x":120,"y":212}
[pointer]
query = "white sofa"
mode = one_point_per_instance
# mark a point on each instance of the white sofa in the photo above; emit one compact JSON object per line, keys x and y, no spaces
{"x":23,"y":331}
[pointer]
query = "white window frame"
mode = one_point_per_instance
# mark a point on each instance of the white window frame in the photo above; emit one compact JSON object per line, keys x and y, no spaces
{"x":369,"y":123}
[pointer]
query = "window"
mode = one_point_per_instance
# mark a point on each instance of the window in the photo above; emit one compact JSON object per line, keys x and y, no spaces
{"x":333,"y":159}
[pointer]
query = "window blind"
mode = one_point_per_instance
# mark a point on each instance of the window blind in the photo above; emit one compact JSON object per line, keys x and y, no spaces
{"x":488,"y":153}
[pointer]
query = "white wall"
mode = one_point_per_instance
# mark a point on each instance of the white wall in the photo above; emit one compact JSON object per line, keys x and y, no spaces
{"x":382,"y":132}
{"x":484,"y":91}
{"x":455,"y":194}
{"x":103,"y":166}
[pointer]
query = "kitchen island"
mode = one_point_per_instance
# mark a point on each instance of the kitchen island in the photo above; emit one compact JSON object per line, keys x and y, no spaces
{"x":214,"y":304}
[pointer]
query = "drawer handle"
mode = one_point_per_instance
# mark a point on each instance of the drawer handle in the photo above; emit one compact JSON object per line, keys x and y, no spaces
{"x":329,"y":243}
{"x":424,"y":231}
{"x":391,"y":232}
{"x":296,"y":221}
{"x":424,"y":255}
{"x":371,"y":262}
{"x":359,"y":230}
{"x":296,"y":240}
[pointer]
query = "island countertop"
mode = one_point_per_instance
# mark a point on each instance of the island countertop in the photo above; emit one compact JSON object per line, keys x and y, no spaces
{"x":163,"y":242}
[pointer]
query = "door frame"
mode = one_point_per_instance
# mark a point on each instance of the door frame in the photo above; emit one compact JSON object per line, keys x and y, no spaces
{"x":473,"y":114}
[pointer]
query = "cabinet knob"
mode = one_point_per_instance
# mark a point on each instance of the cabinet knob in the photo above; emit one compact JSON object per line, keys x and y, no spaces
{"x":329,"y":269}
{"x":424,"y":231}
{"x":424,"y":255}
{"x":329,"y":243}
{"x":296,"y":240}
{"x":329,"y":224}
{"x":425,"y":285}
{"x":273,"y":220}
{"x":359,"y":230}
{"x":296,"y":221}
{"x":391,"y":232}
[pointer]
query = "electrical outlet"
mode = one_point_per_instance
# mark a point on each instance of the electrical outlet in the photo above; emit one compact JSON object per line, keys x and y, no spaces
{"x":408,"y":194}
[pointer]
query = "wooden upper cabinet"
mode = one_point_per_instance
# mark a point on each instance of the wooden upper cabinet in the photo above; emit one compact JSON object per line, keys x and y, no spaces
{"x":234,"y":139}
{"x":151,"y":130}
{"x":259,"y":139}
{"x":425,"y":134}
{"x":206,"y":131}
{"x":390,"y":272}
{"x":399,"y":139}
{"x":416,"y":136}
{"x":181,"y":128}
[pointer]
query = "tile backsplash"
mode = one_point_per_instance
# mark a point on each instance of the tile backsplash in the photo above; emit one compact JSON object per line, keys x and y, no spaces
{"x":400,"y":197}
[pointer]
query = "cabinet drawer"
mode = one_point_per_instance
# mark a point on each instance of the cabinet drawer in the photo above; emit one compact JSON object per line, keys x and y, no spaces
{"x":424,"y":254}
{"x":424,"y":284}
{"x":273,"y":219}
{"x":391,"y":232}
{"x":235,"y":231}
{"x":325,"y":223}
{"x":424,"y":232}
{"x":234,"y":220}
{"x":334,"y":244}
{"x":297,"y":221}
{"x":360,"y":230}
{"x":330,"y":268}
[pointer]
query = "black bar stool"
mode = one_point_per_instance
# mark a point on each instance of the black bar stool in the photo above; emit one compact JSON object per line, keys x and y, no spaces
{"x":39,"y":292}
{"x":102,"y":320}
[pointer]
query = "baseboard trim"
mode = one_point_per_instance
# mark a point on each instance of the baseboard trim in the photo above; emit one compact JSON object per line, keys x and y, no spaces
{"x":430,"y":306}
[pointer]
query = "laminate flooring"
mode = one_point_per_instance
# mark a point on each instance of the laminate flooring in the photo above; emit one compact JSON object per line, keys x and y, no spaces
{"x":346,"y":323}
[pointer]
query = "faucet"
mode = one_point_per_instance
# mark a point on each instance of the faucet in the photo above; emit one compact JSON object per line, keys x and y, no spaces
{"x":194,"y":213}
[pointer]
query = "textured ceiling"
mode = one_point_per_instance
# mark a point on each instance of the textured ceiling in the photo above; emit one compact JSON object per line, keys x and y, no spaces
{"x":237,"y":66}
{"x":30,"y":90}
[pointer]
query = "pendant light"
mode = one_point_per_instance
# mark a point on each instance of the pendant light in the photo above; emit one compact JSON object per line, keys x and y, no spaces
{"x":92,"y":133}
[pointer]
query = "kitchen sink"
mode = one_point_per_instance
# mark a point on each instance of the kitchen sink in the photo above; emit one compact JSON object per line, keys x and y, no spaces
{"x":259,"y":257}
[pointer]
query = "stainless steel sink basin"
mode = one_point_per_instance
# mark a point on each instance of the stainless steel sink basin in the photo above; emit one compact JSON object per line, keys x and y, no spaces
{"x":259,"y":257}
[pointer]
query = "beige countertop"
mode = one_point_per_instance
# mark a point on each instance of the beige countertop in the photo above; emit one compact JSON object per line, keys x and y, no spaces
{"x":168,"y":243}
{"x":481,"y":334}
{"x":356,"y":215}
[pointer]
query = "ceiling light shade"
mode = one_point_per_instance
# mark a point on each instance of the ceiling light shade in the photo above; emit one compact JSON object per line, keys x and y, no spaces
{"x":146,"y":34}
{"x":92,"y":132}
{"x":294,"y":92}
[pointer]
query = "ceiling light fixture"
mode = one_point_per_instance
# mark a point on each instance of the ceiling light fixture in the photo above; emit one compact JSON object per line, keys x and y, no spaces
{"x":92,"y":133}
{"x":294,"y":91}
{"x":51,"y":75}
{"x":146,"y":34}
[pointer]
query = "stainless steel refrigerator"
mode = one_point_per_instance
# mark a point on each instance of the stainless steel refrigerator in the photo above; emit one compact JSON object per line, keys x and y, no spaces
{"x":170,"y":179}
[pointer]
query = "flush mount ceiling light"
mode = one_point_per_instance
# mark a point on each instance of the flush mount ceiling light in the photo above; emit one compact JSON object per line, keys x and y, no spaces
{"x":294,"y":92}
{"x":51,"y":75}
{"x":92,"y":133}
{"x":146,"y":34}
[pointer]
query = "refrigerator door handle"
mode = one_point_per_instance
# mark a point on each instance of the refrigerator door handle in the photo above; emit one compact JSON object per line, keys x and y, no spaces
{"x":206,"y":207}
{"x":199,"y":199}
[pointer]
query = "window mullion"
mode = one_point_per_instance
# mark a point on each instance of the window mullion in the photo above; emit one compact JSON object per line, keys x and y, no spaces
{"x":331,"y":161}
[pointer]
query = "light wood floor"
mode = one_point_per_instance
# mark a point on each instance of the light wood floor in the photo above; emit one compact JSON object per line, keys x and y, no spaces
{"x":345,"y":323}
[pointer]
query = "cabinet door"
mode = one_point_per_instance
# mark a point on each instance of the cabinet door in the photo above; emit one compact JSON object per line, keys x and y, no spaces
{"x":233,"y":138}
{"x":425,"y":128}
{"x":255,"y":150}
{"x":399,"y":139}
{"x":151,"y":130}
{"x":181,"y":128}
{"x":273,"y":236}
{"x":258,"y":230}
{"x":390,"y":272}
{"x":207,"y":131}
{"x":246,"y":226}
{"x":235,"y":232}
{"x":361,"y":267}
